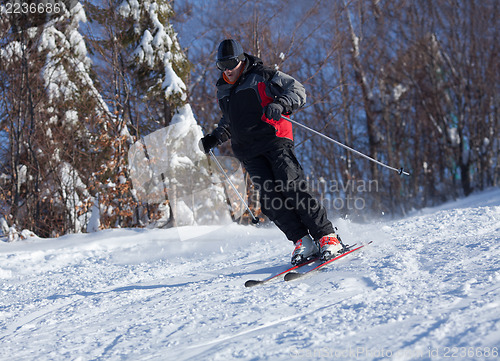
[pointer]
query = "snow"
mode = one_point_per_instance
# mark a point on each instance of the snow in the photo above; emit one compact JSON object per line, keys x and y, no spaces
{"x":398,"y":90}
{"x":94,"y":219}
{"x":428,"y":284}
{"x":11,"y":51}
{"x":172,"y":83}
{"x":145,"y":52}
{"x":22,"y":174}
{"x":454,"y":136}
{"x":168,"y":164}
{"x":130,"y":8}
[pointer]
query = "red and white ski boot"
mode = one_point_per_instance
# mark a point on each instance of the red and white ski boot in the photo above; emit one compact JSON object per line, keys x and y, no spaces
{"x":330,"y":246}
{"x":305,"y":249}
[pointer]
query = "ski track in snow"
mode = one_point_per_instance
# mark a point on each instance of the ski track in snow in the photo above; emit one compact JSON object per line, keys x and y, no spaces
{"x":428,"y":283}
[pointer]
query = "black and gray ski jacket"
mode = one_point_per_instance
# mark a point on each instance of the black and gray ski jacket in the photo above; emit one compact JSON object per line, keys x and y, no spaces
{"x":242,"y":104}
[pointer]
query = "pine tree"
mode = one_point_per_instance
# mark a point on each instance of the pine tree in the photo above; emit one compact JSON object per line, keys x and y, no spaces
{"x":142,"y":67}
{"x":50,"y":99}
{"x":160,"y":69}
{"x":142,"y":61}
{"x":155,"y":56}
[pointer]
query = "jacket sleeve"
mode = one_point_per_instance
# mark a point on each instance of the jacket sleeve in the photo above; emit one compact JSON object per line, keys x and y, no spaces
{"x":290,"y":93}
{"x":222,"y":132}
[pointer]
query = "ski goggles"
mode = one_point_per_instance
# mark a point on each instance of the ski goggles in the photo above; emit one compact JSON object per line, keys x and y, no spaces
{"x":227,"y":64}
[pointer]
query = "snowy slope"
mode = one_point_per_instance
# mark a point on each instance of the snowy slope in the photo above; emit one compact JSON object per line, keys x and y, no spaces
{"x":429,"y":283}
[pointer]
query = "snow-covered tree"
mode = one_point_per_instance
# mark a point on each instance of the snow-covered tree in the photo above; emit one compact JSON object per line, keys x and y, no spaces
{"x":144,"y":73}
{"x":167,"y":164}
{"x":50,"y":98}
{"x":141,"y":65}
{"x":155,"y":55}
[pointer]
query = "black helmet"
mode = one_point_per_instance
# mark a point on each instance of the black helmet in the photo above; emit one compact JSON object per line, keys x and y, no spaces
{"x":229,"y":54}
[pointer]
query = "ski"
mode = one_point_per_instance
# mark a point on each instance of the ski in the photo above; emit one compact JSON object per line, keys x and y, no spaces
{"x":291,"y":275}
{"x":251,"y":283}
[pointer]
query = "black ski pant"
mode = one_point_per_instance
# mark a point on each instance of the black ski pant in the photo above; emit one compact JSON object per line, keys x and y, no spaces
{"x":285,"y":196}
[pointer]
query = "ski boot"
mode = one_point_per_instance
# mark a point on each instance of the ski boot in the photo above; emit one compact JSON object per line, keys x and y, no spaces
{"x":330,"y":246}
{"x":305,"y":249}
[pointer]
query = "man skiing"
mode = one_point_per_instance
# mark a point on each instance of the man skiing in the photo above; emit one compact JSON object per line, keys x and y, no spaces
{"x":252,"y":98}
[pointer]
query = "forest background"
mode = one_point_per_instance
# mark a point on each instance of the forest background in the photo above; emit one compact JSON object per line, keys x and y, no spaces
{"x":414,"y":84}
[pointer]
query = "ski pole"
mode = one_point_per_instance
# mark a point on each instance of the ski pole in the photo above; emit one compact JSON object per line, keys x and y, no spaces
{"x":255,"y":220}
{"x":400,"y":170}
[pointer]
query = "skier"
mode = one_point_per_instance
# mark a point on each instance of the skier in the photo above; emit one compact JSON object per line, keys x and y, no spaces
{"x":252,"y":98}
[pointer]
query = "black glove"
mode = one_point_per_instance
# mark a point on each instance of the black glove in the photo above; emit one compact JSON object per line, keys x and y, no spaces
{"x":208,"y":142}
{"x":273,"y":111}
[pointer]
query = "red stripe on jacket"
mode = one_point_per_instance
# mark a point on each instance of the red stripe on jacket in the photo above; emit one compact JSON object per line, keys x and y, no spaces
{"x":283,"y":127}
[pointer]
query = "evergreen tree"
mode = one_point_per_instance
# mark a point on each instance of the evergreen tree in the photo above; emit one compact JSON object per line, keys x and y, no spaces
{"x":51,"y":100}
{"x":155,"y":56}
{"x":141,"y":60}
